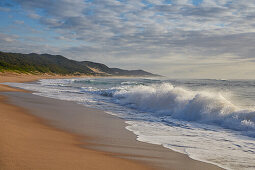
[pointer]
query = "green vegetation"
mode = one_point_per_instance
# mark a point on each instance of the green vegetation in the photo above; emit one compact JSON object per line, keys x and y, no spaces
{"x":57,"y":64}
{"x":43,"y":63}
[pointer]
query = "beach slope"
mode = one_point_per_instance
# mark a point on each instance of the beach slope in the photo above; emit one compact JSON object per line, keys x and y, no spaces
{"x":26,"y":142}
{"x":31,"y":137}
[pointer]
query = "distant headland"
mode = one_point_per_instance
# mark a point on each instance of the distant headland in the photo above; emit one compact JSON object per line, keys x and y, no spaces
{"x":57,"y":64}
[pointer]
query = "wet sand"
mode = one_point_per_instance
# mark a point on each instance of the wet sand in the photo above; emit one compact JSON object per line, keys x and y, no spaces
{"x":28,"y":142}
{"x":89,"y":138}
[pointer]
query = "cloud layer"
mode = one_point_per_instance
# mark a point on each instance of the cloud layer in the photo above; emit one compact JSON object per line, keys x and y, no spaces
{"x":144,"y":32}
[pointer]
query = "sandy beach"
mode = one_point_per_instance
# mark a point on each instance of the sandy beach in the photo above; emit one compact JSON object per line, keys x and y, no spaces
{"x":28,"y":143}
{"x":43,"y":133}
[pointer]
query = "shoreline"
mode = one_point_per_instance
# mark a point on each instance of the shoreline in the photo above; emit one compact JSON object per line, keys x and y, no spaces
{"x":122,"y":144}
{"x":30,"y":142}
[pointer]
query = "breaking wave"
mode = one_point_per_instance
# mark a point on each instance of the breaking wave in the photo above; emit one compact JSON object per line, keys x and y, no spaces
{"x":163,"y":100}
{"x":184,"y":115}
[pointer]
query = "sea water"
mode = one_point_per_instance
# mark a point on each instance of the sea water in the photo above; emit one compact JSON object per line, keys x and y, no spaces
{"x":209,"y":120}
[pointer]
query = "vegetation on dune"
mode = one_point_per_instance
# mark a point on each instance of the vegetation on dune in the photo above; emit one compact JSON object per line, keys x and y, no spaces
{"x":43,"y":63}
{"x":57,"y":64}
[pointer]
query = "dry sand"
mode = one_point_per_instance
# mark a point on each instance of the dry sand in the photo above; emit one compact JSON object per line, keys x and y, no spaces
{"x":30,"y":142}
{"x":27,"y":143}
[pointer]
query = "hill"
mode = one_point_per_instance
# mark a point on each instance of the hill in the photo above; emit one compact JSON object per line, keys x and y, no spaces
{"x":57,"y":64}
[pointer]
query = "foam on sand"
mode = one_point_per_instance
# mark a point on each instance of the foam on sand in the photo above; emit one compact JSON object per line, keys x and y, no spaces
{"x":202,"y":123}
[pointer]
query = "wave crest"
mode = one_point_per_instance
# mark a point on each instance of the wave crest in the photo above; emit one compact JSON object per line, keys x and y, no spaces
{"x":180,"y":103}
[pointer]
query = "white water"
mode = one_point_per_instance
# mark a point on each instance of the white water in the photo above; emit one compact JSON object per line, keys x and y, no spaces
{"x":205,"y":107}
{"x":199,"y":119}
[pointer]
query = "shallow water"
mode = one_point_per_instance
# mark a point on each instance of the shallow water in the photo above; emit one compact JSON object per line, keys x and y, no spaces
{"x":210,"y":120}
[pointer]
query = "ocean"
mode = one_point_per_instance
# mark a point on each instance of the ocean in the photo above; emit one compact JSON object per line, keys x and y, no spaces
{"x":209,"y":120}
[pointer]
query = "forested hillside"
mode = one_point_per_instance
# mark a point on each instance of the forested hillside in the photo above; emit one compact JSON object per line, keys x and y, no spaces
{"x":57,"y":64}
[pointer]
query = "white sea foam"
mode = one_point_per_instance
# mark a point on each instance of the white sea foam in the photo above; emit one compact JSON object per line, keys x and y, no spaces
{"x":204,"y":124}
{"x":179,"y":103}
{"x":200,"y":142}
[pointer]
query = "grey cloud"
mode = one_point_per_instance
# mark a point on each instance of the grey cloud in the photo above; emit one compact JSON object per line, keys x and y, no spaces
{"x":5,"y":38}
{"x":205,"y":12}
{"x":18,"y":22}
{"x":124,"y":30}
{"x":34,"y":16}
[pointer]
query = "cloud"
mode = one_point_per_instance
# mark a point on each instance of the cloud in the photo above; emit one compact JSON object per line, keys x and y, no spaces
{"x":18,"y":22}
{"x":4,"y":38}
{"x":11,"y":43}
{"x":33,"y":15}
{"x":148,"y":30}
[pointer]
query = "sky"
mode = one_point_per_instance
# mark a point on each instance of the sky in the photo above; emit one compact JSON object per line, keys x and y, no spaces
{"x":175,"y":38}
